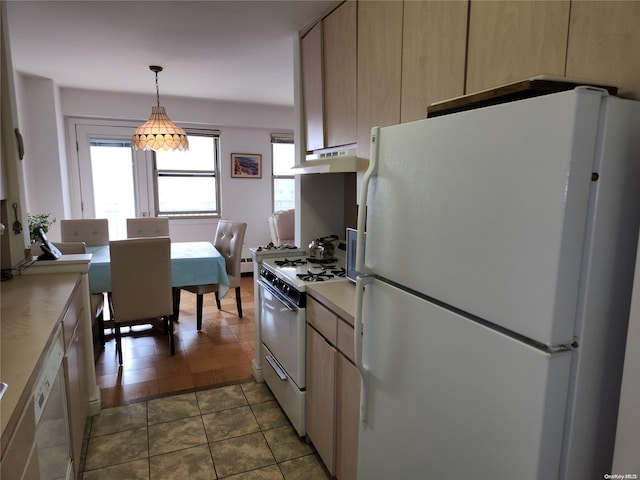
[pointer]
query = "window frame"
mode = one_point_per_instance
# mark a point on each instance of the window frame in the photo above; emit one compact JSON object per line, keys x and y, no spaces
{"x":215,"y":173}
{"x":279,"y":138}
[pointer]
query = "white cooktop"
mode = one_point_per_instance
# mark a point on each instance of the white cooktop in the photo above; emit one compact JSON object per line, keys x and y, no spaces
{"x":305,"y":272}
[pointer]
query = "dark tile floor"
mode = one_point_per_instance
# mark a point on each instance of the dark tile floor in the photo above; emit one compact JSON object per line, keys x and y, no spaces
{"x":237,"y":432}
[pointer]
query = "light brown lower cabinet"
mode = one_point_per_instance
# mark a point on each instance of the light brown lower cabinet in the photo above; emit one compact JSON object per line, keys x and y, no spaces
{"x":321,"y":411}
{"x":333,"y":391}
{"x":347,"y":419}
{"x":75,"y":360}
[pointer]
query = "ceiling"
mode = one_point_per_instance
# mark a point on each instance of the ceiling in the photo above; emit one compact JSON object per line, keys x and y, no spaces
{"x":239,"y":51}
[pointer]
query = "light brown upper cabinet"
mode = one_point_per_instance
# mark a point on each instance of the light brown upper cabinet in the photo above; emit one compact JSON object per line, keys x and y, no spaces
{"x":433,"y":56}
{"x":513,"y":40}
{"x":603,"y":44}
{"x":329,"y":79}
{"x":340,"y":36}
{"x":379,"y":68}
{"x":311,"y":52}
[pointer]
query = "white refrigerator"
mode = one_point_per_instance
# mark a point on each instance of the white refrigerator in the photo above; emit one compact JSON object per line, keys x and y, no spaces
{"x":495,"y":289}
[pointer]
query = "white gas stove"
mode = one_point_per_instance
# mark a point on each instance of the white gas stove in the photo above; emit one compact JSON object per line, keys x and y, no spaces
{"x":283,"y":283}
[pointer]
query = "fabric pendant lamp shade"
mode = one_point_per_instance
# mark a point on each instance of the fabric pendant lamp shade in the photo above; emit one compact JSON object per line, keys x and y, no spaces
{"x":159,"y":132}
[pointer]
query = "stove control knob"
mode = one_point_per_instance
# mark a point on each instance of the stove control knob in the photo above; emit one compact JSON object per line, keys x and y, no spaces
{"x":286,"y":289}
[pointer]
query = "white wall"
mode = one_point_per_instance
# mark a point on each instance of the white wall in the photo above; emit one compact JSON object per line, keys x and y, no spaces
{"x":45,"y":149}
{"x":244,"y":128}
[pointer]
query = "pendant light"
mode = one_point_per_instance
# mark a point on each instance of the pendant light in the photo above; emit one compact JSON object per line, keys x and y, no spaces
{"x":159,"y":132}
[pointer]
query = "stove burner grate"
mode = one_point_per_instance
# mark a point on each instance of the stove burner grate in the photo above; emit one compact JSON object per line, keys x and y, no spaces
{"x":315,"y":276}
{"x":322,"y":261}
{"x":289,"y":263}
{"x":339,"y":272}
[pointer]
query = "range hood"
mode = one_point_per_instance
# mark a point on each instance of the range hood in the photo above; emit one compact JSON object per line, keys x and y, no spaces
{"x":332,"y":161}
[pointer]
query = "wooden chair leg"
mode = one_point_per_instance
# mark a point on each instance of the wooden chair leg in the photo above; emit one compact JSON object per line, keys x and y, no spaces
{"x":199,"y":301}
{"x":239,"y":302}
{"x":218,"y":301}
{"x":110,"y":303}
{"x":172,"y":345}
{"x":119,"y":343}
{"x":176,"y":303}
{"x":100,"y":322}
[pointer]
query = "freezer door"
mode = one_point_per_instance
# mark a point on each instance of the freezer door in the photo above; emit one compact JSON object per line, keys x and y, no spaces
{"x":449,"y":398}
{"x":486,"y":210}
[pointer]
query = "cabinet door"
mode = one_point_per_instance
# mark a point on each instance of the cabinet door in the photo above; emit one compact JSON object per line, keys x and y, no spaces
{"x":512,"y":40}
{"x":320,"y":411}
{"x":75,"y":399}
{"x":348,"y":419}
{"x":433,"y":54}
{"x":75,"y":366}
{"x":603,"y":44}
{"x":340,"y":35}
{"x":379,"y":64}
{"x":312,"y":99}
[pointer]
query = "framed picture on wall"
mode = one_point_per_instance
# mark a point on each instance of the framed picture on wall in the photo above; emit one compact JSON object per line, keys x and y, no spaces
{"x":246,"y":165}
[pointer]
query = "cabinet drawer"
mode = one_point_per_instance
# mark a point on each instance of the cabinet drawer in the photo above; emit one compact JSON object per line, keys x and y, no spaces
{"x":324,"y":320}
{"x":345,"y":339}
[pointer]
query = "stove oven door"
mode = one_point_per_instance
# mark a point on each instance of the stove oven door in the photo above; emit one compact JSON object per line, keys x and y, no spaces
{"x":283,"y":333}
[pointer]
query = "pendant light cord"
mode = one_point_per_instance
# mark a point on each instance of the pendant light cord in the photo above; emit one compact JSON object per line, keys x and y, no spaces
{"x":157,"y":90}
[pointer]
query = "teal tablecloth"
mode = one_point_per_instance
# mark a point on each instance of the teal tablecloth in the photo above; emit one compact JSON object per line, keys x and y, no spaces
{"x":192,"y":263}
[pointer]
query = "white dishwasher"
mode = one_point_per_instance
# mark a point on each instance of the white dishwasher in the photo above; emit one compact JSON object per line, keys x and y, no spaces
{"x":53,"y":442}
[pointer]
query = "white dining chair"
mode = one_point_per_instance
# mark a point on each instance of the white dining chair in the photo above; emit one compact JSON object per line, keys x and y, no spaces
{"x":147,"y":227}
{"x":228,"y":241}
{"x":282,"y":227}
{"x":141,"y":285}
{"x":94,"y":232}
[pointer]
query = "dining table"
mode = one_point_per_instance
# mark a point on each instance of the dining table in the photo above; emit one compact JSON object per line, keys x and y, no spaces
{"x":192,"y":263}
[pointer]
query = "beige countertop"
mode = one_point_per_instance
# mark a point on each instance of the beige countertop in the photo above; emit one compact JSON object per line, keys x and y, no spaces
{"x":337,"y":296}
{"x":31,"y":309}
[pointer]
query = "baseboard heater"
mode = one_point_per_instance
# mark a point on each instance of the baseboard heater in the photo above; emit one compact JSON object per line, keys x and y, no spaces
{"x":246,"y":265}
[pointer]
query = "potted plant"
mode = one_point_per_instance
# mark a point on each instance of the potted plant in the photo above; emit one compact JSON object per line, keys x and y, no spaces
{"x":39,"y":221}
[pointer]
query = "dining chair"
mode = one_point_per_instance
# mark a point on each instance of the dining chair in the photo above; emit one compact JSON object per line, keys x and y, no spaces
{"x":282,"y":227}
{"x":228,"y":241}
{"x":96,"y":299}
{"x":141,"y":285}
{"x":147,"y":227}
{"x":94,"y":232}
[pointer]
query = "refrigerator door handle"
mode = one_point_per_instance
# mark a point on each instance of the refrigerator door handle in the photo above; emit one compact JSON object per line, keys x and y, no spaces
{"x":364,"y":193}
{"x":361,"y":282}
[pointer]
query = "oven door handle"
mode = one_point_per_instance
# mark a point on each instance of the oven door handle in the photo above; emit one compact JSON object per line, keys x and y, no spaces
{"x":282,"y":375}
{"x":279,"y":297}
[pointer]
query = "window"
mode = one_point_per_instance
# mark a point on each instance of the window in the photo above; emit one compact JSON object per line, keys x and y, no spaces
{"x":186,"y":181}
{"x":115,"y":190}
{"x":283,"y":158}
